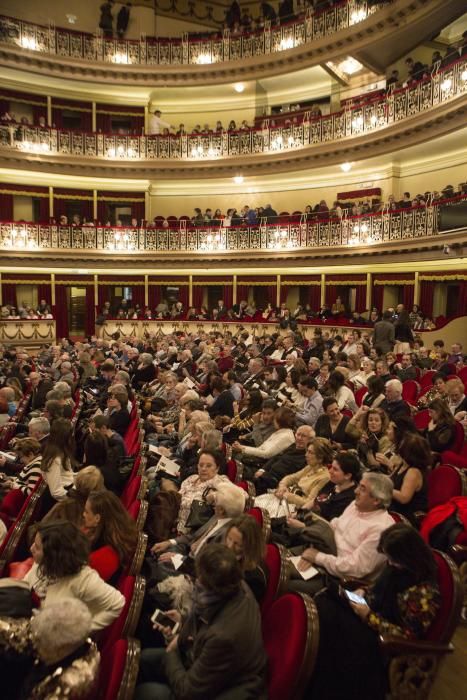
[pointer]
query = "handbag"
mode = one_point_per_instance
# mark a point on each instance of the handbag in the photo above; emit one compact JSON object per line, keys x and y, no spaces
{"x":15,"y":598}
{"x":200,"y":512}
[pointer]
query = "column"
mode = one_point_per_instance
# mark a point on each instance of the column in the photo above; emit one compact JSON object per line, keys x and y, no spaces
{"x":147,"y":207}
{"x":94,"y":205}
{"x":51,"y":201}
{"x":416,"y":290}
{"x":234,"y":289}
{"x":190,"y":291}
{"x":146,"y":290}
{"x":323,"y":289}
{"x":93,"y":116}
{"x":146,"y":119}
{"x":1,"y":297}
{"x":96,"y":289}
{"x":52,"y":288}
{"x":49,"y":110}
{"x":278,"y":291}
{"x":368,"y":291}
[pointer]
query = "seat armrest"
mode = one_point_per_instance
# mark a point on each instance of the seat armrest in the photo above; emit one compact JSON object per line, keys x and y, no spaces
{"x":398,"y":646}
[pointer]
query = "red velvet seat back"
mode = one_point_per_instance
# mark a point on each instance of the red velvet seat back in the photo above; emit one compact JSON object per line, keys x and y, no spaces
{"x":274,"y":564}
{"x":284,"y":636}
{"x":410,"y":390}
{"x":462,"y":374}
{"x":458,"y":460}
{"x":421,"y":419}
{"x":425,"y":381}
{"x":130,"y":492}
{"x":359,"y":395}
{"x":111,"y":670}
{"x":459,"y":438}
{"x":257,"y":515}
{"x":110,"y":635}
{"x":133,"y":510}
{"x":231,"y":470}
{"x":439,"y":630}
{"x":12,"y":503}
{"x":443,"y":483}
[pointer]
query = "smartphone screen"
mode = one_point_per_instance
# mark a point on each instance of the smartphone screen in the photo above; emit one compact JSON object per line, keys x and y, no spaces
{"x":164,"y":620}
{"x":354,"y":597}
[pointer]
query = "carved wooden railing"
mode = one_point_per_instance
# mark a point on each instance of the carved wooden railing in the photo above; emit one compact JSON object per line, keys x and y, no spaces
{"x":375,"y":115}
{"x":162,"y":51}
{"x":372,"y":229}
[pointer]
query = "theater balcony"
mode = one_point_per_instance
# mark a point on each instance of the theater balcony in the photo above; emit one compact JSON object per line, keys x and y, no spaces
{"x":422,"y":111}
{"x":375,"y":36}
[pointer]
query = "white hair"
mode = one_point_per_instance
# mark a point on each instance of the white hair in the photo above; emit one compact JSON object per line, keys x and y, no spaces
{"x":64,"y":387}
{"x":381,"y":487}
{"x":41,"y":424}
{"x":231,"y":499}
{"x":395,"y":384}
{"x":62,"y":626}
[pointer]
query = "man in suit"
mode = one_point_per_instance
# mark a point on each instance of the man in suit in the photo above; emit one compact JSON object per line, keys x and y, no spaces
{"x":39,"y":388}
{"x":219,"y":651}
{"x":383,"y":334}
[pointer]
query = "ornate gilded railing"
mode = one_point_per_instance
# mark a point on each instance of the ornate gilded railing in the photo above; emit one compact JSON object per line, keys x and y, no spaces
{"x":153,"y":51}
{"x":377,"y":114}
{"x":405,"y":225}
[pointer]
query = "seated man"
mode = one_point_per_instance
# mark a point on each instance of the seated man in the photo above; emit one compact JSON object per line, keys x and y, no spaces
{"x":405,"y":369}
{"x":265,"y":426}
{"x":280,"y":440}
{"x":356,"y":535}
{"x":287,"y":462}
{"x":219,"y":647}
{"x":394,"y":405}
{"x":313,"y":405}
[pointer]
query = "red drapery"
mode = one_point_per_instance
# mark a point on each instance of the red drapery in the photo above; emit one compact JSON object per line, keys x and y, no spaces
{"x":183,"y":294}
{"x":314,"y":297}
{"x":198,"y":294}
{"x":138,"y":211}
{"x":242,"y":292}
{"x":44,"y":210}
{"x":408,"y":296}
{"x":103,"y":295}
{"x":137,"y":295}
{"x":360,"y":298}
{"x":284,"y":292}
{"x":39,"y":111}
{"x":272,"y":294}
{"x":6,"y":207}
{"x":60,"y":310}
{"x":89,"y":327}
{"x":427,"y":291}
{"x":8,"y":294}
{"x":44,"y":291}
{"x":332,"y":293}
{"x":154,"y":296}
{"x":377,"y":296}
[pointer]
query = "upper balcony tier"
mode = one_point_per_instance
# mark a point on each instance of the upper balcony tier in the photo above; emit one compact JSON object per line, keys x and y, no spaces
{"x":374,"y":35}
{"x":414,"y":114}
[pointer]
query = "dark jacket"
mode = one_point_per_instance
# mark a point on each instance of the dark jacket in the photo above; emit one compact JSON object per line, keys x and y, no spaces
{"x":288,"y":462}
{"x":119,"y":421}
{"x":383,"y":336}
{"x":395,"y":409}
{"x":323,"y":429}
{"x":39,"y":393}
{"x":226,"y":657}
{"x":223,"y":405}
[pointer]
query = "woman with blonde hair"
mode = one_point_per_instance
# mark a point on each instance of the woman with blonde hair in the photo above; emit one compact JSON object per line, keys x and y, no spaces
{"x":71,"y":508}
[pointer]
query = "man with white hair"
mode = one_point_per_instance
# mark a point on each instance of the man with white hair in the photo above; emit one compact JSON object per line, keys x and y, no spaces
{"x":39,"y":428}
{"x":356,"y":536}
{"x":394,"y":404}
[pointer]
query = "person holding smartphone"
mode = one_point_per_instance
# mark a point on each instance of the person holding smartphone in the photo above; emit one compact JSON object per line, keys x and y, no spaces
{"x":402,"y":602}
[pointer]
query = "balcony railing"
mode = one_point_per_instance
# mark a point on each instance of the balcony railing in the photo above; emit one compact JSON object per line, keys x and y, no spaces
{"x":368,"y":230}
{"x":157,"y":51}
{"x":373,"y":116}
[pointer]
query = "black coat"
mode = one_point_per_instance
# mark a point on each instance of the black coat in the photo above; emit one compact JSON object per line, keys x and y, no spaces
{"x":288,"y":462}
{"x":119,"y":421}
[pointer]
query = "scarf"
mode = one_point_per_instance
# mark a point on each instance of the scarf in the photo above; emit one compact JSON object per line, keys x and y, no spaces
{"x":383,"y":598}
{"x":205,"y":602}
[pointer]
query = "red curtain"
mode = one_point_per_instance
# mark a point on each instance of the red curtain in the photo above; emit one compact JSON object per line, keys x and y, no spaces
{"x":44,"y":209}
{"x":60,"y":208}
{"x":44,"y":291}
{"x":284,"y":292}
{"x":183,"y":294}
{"x":377,"y":297}
{"x":104,"y":123}
{"x":102,"y":212}
{"x":408,"y":296}
{"x":331,"y":293}
{"x":360,"y":298}
{"x":155,"y":295}
{"x":137,"y":295}
{"x":138,"y":211}
{"x":198,"y":294}
{"x":242,"y":292}
{"x":57,"y":118}
{"x":228,"y":296}
{"x":6,"y":207}
{"x":60,"y":310}
{"x":462,"y":305}
{"x":427,"y":291}
{"x":39,"y":111}
{"x":314,"y":298}
{"x":9,"y":294}
{"x":103,"y":295}
{"x":272,"y":294}
{"x":89,"y":327}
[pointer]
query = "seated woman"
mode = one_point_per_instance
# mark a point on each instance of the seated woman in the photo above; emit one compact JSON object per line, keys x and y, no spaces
{"x":441,"y":431}
{"x":71,"y":508}
{"x":339,"y":492}
{"x":29,"y":452}
{"x":117,"y":411}
{"x":210,"y":462}
{"x":55,"y":646}
{"x":343,"y":395}
{"x":111,"y":532}
{"x":367,"y":370}
{"x":303,"y":485}
{"x":245,"y":538}
{"x":98,"y":454}
{"x":332,"y":426}
{"x":403,"y":602}
{"x":280,"y":440}
{"x":145,"y":371}
{"x":408,"y":477}
{"x":375,"y":394}
{"x":369,"y":427}
{"x":58,"y":459}
{"x":436,"y":391}
{"x":60,"y":552}
{"x":243,"y":420}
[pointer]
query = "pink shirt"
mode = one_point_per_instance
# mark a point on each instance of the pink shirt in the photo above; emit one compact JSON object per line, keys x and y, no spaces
{"x":357,"y":536}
